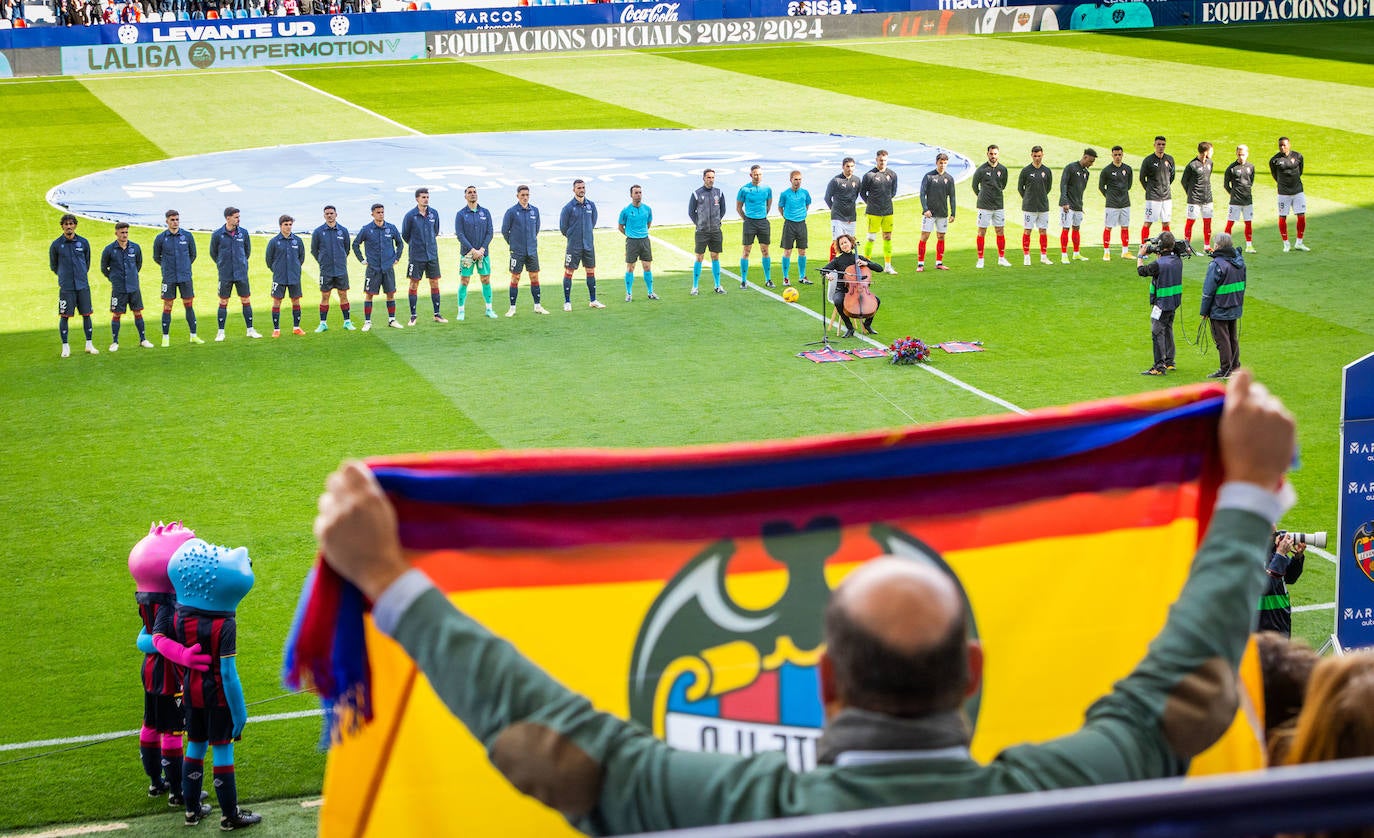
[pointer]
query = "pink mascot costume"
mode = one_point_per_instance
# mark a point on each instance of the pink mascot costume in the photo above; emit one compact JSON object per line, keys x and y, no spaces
{"x":164,"y":661}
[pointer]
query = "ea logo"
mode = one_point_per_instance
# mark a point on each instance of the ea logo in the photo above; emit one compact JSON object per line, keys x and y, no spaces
{"x":128,"y":34}
{"x":338,"y":24}
{"x":201,"y":54}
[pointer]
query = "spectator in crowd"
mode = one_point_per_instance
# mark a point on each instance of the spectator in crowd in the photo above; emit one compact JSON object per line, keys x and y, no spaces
{"x":897,"y":668}
{"x":1285,"y":669}
{"x":1336,"y":722}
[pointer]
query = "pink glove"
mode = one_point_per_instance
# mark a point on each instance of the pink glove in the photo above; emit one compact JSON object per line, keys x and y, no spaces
{"x":188,"y":656}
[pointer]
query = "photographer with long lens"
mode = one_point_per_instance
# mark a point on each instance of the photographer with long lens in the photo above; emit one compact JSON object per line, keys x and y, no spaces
{"x":1283,"y":569}
{"x":1166,"y":293}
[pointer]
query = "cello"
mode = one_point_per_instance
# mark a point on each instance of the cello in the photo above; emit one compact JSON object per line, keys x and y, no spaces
{"x":859,"y":300}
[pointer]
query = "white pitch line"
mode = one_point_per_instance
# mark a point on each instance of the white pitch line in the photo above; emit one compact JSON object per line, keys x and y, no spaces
{"x":102,"y":737}
{"x":1325,"y":606}
{"x":65,"y":831}
{"x":963,"y":385}
{"x":342,"y":100}
{"x":1322,"y":553}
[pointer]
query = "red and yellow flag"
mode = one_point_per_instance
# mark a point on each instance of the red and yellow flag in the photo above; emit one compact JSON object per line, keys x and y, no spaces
{"x":683,"y":588}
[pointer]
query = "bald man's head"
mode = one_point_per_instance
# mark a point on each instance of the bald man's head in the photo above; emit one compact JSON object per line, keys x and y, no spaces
{"x":896,"y":639}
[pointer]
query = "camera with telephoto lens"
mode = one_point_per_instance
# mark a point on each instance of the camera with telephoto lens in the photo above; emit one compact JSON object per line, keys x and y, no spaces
{"x":1181,"y":247}
{"x":1311,"y":539}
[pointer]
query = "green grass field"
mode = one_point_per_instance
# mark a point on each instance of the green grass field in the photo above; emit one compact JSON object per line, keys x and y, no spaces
{"x":236,"y":439}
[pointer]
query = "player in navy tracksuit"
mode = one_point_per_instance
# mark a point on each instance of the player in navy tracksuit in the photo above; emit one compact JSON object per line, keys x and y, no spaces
{"x":120,"y":262}
{"x":520,"y":229}
{"x":329,"y":246}
{"x":383,"y":245}
{"x":577,"y":223}
{"x":475,"y":231}
{"x":230,"y":247}
{"x":285,"y":255}
{"x":420,"y":230}
{"x":70,"y":258}
{"x":174,"y":250}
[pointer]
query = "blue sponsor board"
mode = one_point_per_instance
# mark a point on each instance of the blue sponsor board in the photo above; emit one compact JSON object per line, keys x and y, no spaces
{"x":204,"y":55}
{"x":1354,"y":547}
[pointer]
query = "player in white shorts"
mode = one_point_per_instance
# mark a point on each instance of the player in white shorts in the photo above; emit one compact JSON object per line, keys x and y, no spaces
{"x":1296,"y":204}
{"x":992,"y":218}
{"x":1161,"y":211}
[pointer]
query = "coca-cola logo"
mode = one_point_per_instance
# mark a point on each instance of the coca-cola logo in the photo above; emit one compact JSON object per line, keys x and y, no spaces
{"x":657,"y":13}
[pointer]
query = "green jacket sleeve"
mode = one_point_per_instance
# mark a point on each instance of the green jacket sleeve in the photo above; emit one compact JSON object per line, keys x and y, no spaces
{"x":1182,"y":697}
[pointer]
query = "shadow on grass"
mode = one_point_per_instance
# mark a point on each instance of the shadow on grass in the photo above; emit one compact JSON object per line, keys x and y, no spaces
{"x":1335,"y":40}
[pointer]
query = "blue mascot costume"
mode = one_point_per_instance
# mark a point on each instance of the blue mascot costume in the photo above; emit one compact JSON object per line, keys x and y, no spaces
{"x":210,"y":583}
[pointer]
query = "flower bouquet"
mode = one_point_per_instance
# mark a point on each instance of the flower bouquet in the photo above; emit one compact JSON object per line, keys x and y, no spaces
{"x":908,"y":350}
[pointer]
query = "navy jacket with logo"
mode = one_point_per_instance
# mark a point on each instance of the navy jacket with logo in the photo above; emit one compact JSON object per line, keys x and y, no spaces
{"x":175,"y":252}
{"x":121,"y":266}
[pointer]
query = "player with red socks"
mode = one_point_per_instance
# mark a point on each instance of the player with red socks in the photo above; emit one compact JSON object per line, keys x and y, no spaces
{"x":1115,"y":185}
{"x":1034,"y":185}
{"x":1072,"y":184}
{"x":989,"y":181}
{"x":1197,"y":188}
{"x":1239,"y":182}
{"x":1286,"y":167}
{"x":1156,"y":174}
{"x":937,"y":211}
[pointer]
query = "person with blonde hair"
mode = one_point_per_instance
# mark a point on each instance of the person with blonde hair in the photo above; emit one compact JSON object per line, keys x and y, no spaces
{"x":1336,"y":722}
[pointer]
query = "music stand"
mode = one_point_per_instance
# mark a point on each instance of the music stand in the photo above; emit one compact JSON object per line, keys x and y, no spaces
{"x":825,"y":318}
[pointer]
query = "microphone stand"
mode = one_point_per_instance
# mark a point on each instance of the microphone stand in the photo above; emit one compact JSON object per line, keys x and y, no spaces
{"x":825,"y":317}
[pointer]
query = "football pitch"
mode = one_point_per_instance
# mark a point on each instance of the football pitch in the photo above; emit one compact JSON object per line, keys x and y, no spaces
{"x":236,"y":438}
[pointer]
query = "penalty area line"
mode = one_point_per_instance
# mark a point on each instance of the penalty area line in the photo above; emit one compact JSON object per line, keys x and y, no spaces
{"x":963,"y":385}
{"x":344,"y":101}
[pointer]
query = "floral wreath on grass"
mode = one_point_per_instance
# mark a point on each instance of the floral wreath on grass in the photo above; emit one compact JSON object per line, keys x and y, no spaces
{"x":909,"y":350}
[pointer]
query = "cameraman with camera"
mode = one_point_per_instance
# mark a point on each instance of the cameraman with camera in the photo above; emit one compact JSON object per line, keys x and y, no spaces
{"x":1283,"y":569}
{"x":1166,"y":293}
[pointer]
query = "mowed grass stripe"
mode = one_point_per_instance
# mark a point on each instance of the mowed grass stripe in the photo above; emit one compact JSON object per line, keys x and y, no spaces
{"x":1342,"y":50}
{"x":961,"y":93}
{"x":1331,"y":104}
{"x":181,"y":449}
{"x":197,"y":114}
{"x":770,"y":88}
{"x":668,"y":372}
{"x":40,"y":120}
{"x":451,"y":97}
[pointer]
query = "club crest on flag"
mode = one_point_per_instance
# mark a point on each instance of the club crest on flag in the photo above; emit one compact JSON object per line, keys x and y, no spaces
{"x":713,"y":675}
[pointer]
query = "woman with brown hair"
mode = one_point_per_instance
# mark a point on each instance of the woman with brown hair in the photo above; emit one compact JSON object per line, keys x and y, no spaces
{"x":1337,"y":718}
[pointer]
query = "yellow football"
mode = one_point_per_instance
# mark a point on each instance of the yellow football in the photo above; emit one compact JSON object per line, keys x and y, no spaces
{"x":790,"y":294}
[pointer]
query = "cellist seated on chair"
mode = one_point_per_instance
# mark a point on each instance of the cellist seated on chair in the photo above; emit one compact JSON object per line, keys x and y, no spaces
{"x":850,"y":291}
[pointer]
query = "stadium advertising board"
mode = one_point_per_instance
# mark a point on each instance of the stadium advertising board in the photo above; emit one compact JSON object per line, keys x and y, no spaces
{"x":1354,"y":547}
{"x":204,"y":55}
{"x":1254,"y":11}
{"x":618,"y":36}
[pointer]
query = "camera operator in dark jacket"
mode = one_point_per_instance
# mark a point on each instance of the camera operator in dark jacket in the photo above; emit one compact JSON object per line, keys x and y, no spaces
{"x":1166,"y":293}
{"x":1223,"y":297}
{"x":1283,"y":569}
